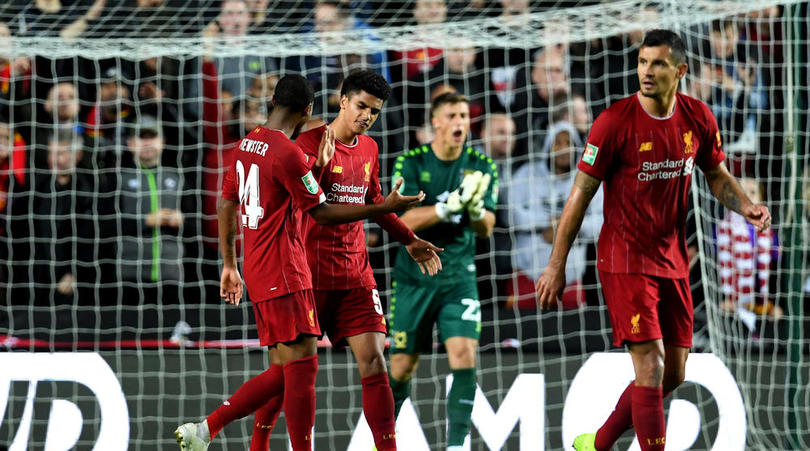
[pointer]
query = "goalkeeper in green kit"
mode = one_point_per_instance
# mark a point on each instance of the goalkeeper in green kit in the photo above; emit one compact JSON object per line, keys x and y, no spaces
{"x":461,"y":189}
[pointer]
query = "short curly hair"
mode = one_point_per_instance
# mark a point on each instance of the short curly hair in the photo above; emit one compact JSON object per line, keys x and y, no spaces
{"x":368,"y":81}
{"x":294,"y":92}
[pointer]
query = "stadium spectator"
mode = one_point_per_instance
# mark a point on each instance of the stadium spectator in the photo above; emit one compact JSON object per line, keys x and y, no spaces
{"x":64,"y":217}
{"x":106,"y":121}
{"x":67,"y":19}
{"x":745,"y":259}
{"x":644,"y":276}
{"x":62,"y":105}
{"x":13,"y":220}
{"x":738,"y":86}
{"x":494,"y":255}
{"x":414,"y":61}
{"x":236,"y":72}
{"x":456,"y":70}
{"x":531,"y":110}
{"x":326,"y":72}
{"x":15,"y":82}
{"x":148,"y":205}
{"x":537,"y":206}
{"x":452,"y":219}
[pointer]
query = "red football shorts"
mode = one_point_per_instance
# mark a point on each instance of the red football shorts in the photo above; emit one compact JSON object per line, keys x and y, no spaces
{"x":345,"y":313}
{"x":644,"y":308}
{"x":285,"y":318}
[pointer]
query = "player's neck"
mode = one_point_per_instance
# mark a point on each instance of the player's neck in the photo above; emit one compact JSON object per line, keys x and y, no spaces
{"x":446,"y":151}
{"x":343,"y":134}
{"x":282,"y":122}
{"x":659,"y":106}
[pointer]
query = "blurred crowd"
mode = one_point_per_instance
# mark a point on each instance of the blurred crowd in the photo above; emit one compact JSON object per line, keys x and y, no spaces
{"x":111,"y":166}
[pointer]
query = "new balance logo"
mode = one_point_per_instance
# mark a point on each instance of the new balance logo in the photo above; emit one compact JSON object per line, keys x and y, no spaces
{"x":645,"y":147}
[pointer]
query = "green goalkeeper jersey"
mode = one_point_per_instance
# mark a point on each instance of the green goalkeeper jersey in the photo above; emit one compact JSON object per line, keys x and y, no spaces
{"x":420,"y":169}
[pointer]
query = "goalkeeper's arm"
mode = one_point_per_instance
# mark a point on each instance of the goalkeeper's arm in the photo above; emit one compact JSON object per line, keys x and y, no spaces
{"x":481,"y":220}
{"x":451,"y":210}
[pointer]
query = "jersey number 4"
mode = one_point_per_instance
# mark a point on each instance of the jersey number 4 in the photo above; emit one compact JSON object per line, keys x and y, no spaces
{"x":252,"y":209}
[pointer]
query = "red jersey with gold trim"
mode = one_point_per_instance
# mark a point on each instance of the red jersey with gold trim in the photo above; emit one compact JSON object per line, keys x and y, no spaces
{"x":337,"y":254}
{"x":646,"y":164}
{"x":271,"y":180}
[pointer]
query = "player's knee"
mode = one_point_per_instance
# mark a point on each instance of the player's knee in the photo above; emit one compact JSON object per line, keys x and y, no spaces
{"x":371,"y":364}
{"x":403,"y":367}
{"x":462,"y":357}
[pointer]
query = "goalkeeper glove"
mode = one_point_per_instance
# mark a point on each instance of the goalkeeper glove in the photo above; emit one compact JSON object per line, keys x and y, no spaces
{"x":476,"y":206}
{"x":457,"y":201}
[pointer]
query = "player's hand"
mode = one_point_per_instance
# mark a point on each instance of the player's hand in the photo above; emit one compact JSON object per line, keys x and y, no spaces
{"x":450,"y":210}
{"x":758,"y":215}
{"x":230,"y":285}
{"x":326,"y":150}
{"x":397,"y":202}
{"x":424,"y":253}
{"x":475,"y":208}
{"x":549,"y":286}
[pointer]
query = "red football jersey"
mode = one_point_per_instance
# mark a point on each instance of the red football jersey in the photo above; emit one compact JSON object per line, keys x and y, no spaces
{"x":646,"y":165}
{"x":337,"y":253}
{"x":271,"y":180}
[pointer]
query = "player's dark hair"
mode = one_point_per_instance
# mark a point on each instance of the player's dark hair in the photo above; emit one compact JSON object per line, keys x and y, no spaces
{"x":366,"y":80}
{"x":294,"y":92}
{"x":448,"y":98}
{"x":657,"y":37}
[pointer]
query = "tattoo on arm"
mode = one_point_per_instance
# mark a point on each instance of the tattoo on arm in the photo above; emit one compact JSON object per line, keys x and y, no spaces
{"x":587,"y":183}
{"x":729,"y":197}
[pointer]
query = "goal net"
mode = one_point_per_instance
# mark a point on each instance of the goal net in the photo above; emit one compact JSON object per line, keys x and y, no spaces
{"x":117,"y":122}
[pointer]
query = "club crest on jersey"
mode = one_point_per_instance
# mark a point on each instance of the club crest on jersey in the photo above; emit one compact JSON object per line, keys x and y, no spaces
{"x":589,"y":156}
{"x":719,"y":141}
{"x":310,"y":183}
{"x":645,"y":146}
{"x":634,"y":327}
{"x":688,"y":147}
{"x":367,"y":171}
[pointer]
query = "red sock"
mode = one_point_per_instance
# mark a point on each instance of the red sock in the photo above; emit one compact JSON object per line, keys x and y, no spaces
{"x":250,"y":396}
{"x":648,"y":417}
{"x":263,"y":423}
{"x":378,"y":408}
{"x":619,"y":421}
{"x":299,"y":400}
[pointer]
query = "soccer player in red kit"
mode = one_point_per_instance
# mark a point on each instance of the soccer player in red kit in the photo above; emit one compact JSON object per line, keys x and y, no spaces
{"x":270,"y":184}
{"x":348,"y":304}
{"x":644,"y":148}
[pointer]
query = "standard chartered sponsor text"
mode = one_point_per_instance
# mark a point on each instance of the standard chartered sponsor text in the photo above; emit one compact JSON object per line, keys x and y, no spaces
{"x":347,"y":198}
{"x":647,"y":175}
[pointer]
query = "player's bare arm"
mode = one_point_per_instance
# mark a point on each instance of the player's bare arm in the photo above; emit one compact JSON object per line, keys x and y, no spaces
{"x":328,"y":214}
{"x":424,"y":253}
{"x":230,"y":284}
{"x":729,"y":192}
{"x":552,"y":279}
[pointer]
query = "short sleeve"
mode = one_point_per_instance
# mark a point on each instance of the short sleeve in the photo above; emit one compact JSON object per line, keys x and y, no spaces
{"x":711,"y":152}
{"x":295,"y":174}
{"x":229,"y":189}
{"x":597,"y":157}
{"x":405,"y":168}
{"x":309,"y":145}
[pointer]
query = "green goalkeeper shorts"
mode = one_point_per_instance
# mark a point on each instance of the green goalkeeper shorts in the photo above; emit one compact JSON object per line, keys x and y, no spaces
{"x":454,"y":308}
